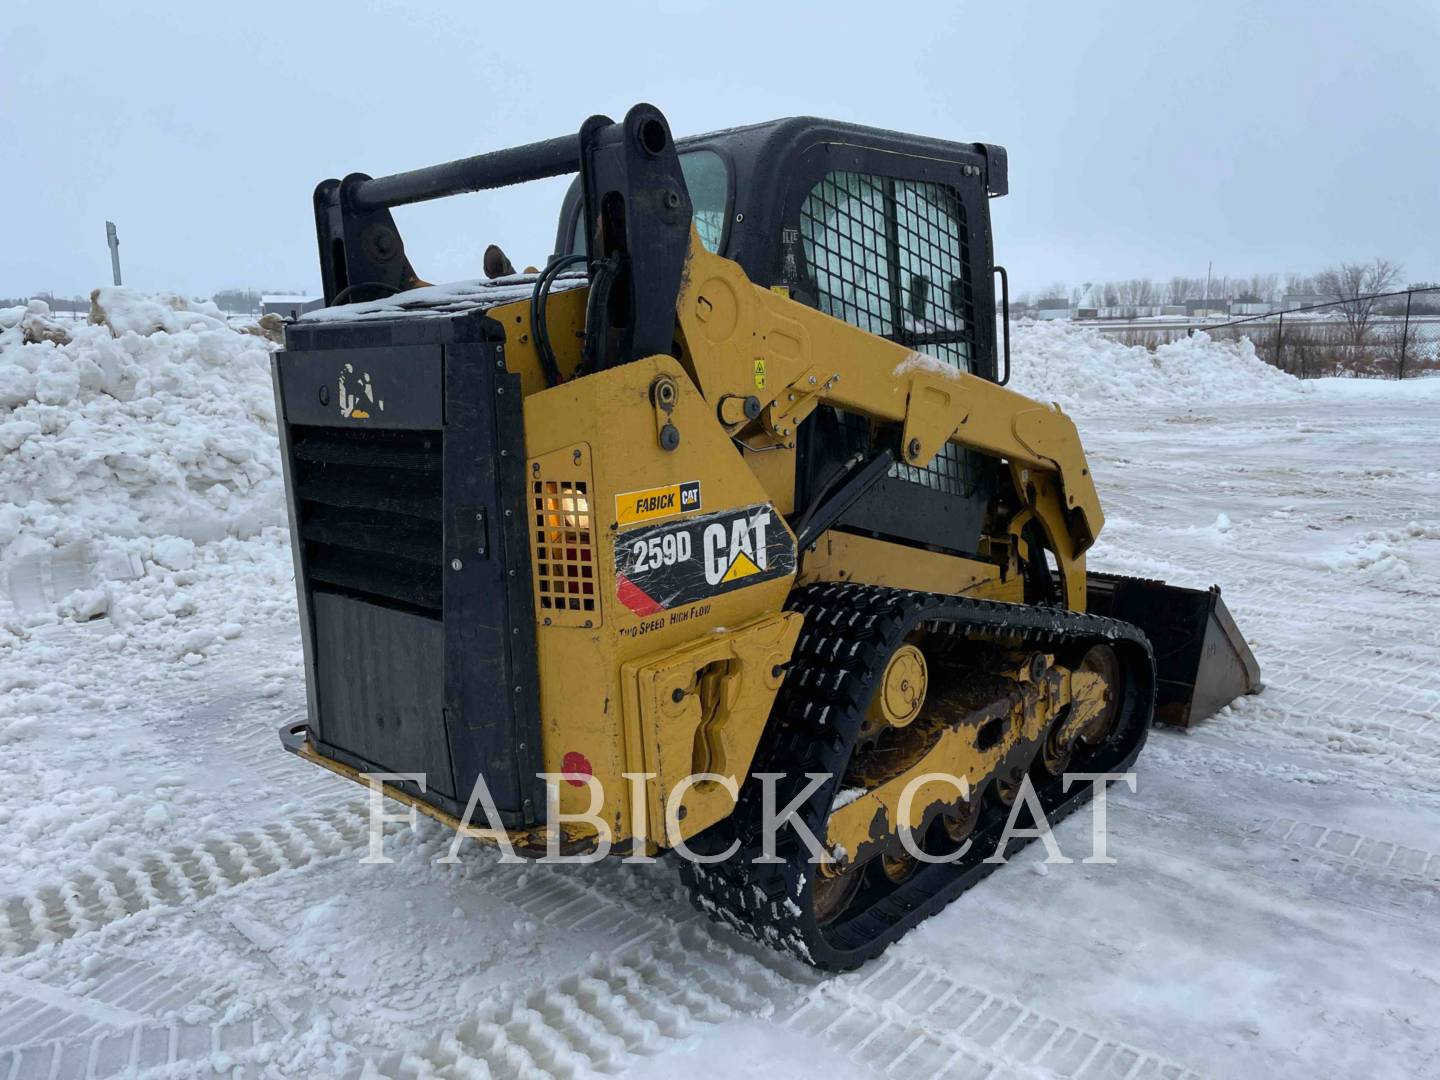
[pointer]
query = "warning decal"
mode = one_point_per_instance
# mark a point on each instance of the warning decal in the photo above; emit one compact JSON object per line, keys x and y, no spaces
{"x":741,"y":566}
{"x":679,"y":563}
{"x":651,"y":504}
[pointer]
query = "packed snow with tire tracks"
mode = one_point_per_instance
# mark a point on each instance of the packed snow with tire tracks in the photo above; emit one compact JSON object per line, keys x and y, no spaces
{"x":178,"y":896}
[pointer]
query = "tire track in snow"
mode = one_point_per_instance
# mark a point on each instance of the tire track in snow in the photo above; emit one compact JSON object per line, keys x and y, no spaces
{"x":118,"y":993}
{"x":668,"y":982}
{"x":666,"y":975}
{"x":1377,"y":874}
{"x":1344,"y":863}
{"x":149,"y":1047}
{"x":121,"y":1025}
{"x":903,"y":1019}
{"x":649,"y":988}
{"x":598,"y":1019}
{"x":663,"y":983}
{"x":660,"y":981}
{"x":176,"y":875}
{"x":1344,"y":867}
{"x":1405,"y":862}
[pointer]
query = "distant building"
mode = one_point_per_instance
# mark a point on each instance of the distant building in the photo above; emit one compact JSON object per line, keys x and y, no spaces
{"x":1052,"y":307}
{"x":1130,"y":311}
{"x":1087,"y":304}
{"x":1298,"y":301}
{"x":288,"y":307}
{"x":1203,"y":309}
{"x":1250,"y":305}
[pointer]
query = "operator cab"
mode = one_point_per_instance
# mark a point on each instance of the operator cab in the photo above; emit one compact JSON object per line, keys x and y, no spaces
{"x":890,"y":233}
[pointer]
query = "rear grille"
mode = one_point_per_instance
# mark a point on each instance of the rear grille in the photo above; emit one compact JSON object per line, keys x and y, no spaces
{"x":562,"y":534}
{"x":564,"y":547}
{"x":370,"y":513}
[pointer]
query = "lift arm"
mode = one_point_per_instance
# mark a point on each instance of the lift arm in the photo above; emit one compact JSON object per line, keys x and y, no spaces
{"x":740,"y":335}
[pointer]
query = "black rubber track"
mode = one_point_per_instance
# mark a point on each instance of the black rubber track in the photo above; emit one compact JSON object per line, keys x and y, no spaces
{"x":850,"y":631}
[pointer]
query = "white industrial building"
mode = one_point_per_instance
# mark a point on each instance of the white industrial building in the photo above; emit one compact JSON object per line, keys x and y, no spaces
{"x":288,"y":307}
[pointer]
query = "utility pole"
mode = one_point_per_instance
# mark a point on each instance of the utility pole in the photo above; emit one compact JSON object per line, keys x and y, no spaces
{"x":1404,"y":338}
{"x":114,"y":242}
{"x":1208,"y":267}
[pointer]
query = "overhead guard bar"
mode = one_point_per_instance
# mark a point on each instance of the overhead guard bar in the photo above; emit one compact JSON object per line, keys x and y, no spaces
{"x":497,"y":169}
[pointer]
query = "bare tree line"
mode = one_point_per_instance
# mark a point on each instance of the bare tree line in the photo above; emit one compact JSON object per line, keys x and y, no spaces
{"x":1344,"y":281}
{"x":1358,"y":320}
{"x":1358,"y":283}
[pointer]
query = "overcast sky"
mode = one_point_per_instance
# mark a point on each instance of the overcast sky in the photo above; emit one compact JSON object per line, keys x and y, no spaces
{"x":1145,"y":139}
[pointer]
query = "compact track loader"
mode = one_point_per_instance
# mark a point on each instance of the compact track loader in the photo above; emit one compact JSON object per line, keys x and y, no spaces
{"x":726,"y":511}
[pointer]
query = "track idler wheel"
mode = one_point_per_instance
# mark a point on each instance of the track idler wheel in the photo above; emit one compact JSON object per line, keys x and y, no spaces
{"x":899,"y":697}
{"x":1007,"y":789}
{"x":1059,"y":747}
{"x":898,"y":867}
{"x":959,"y":822}
{"x":1060,"y":741}
{"x":832,"y":891}
{"x":1101,"y":660}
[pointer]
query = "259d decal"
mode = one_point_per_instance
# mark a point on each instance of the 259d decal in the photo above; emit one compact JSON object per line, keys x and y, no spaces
{"x":669,"y":565}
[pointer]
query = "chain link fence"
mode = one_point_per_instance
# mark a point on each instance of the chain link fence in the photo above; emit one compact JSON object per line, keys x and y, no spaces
{"x":1386,"y":335}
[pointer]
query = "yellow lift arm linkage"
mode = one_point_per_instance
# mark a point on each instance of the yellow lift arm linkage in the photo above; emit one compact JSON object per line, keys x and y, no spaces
{"x":744,"y":340}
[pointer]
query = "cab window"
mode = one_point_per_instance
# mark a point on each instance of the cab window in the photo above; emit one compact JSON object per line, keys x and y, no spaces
{"x":891,"y":256}
{"x":708,"y":181}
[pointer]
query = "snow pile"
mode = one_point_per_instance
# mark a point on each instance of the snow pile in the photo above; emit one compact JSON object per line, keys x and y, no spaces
{"x":141,"y":523}
{"x":1087,"y":373}
{"x":157,"y":419}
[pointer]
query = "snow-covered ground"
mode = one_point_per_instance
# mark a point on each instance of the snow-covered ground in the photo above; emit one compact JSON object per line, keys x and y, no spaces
{"x":179,"y":896}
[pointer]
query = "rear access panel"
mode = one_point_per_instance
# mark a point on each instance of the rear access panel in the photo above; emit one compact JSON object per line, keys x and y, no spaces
{"x":404,"y":458}
{"x":375,"y":716}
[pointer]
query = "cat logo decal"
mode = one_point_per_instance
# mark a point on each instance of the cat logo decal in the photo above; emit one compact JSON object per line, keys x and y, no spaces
{"x":357,"y":394}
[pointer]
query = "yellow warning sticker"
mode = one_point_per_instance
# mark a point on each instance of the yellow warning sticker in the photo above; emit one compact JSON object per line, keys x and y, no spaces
{"x":651,"y":504}
{"x":759,"y":374}
{"x":783,"y":290}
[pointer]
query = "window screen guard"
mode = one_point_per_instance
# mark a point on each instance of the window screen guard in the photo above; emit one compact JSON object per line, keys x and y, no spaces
{"x":892,"y":257}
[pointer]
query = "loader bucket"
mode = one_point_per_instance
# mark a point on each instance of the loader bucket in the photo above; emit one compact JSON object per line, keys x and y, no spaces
{"x":1201,"y":659}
